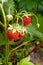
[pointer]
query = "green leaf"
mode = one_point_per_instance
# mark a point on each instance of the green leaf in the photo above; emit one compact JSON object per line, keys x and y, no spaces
{"x":25,"y":61}
{"x":31,"y":5}
{"x":40,"y":7}
{"x":0,"y":61}
{"x":27,"y":4}
{"x":37,"y":63}
{"x":9,"y":3}
{"x":17,"y":63}
{"x":34,"y":32}
{"x":9,"y":63}
{"x":30,"y":63}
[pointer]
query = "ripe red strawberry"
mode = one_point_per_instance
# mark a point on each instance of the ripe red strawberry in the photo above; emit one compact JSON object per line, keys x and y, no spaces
{"x":22,"y":34}
{"x":9,"y":33}
{"x":12,"y":35}
{"x":27,"y":20}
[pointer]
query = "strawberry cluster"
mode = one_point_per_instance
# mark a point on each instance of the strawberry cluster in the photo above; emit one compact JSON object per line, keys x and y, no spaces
{"x":14,"y":34}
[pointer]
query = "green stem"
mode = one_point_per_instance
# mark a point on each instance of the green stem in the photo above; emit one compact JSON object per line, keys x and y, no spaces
{"x":5,"y":25}
{"x":21,"y":49}
{"x":24,"y":43}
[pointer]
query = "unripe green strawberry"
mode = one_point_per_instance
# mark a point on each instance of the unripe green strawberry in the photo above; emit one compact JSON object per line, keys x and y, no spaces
{"x":9,"y":17}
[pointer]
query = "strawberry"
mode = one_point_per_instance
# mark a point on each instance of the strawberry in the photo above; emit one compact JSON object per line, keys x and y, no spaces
{"x":27,"y":20}
{"x":12,"y":34}
{"x":16,"y":35}
{"x":9,"y":33}
{"x":22,"y":34}
{"x":9,"y":17}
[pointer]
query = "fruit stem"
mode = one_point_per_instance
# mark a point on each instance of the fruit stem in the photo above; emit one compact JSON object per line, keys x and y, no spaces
{"x":5,"y":33}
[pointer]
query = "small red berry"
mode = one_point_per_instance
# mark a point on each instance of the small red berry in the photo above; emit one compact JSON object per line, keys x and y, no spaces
{"x":22,"y":34}
{"x":12,"y":35}
{"x":9,"y":33}
{"x":16,"y":35}
{"x":27,"y":20}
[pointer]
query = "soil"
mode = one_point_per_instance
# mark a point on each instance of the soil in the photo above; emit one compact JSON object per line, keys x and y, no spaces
{"x":35,"y":57}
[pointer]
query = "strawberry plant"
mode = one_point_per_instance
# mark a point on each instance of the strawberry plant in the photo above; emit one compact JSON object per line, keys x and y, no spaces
{"x":18,"y":28}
